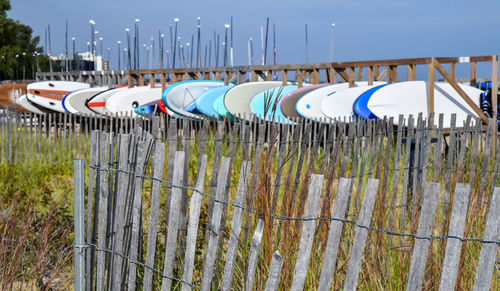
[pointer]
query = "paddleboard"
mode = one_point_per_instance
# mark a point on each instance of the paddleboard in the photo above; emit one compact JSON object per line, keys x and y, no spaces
{"x":49,"y":94}
{"x":266,"y":105}
{"x":411,"y":98}
{"x":288,"y":103}
{"x":339,"y":105}
{"x":309,"y":106}
{"x":220,"y":108}
{"x":129,"y":100}
{"x":75,"y":101}
{"x":205,"y":102}
{"x":237,"y":99}
{"x":24,"y":103}
{"x":98,"y":102}
{"x":181,"y":96}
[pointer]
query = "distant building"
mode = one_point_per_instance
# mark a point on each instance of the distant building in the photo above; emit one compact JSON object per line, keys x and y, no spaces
{"x":85,"y":61}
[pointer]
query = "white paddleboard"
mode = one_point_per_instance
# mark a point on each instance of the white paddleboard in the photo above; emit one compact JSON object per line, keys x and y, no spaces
{"x":338,"y":105}
{"x":24,"y":103}
{"x":180,"y":96}
{"x":237,"y":100}
{"x":411,"y":98}
{"x":128,"y":100}
{"x":75,"y":102}
{"x":309,"y":106}
{"x":98,"y":103}
{"x":49,"y":94}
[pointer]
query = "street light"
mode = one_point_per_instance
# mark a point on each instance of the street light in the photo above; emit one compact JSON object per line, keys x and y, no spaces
{"x":152,"y":51}
{"x":176,"y":20}
{"x":129,"y":59}
{"x":24,"y":54}
{"x":225,"y":46}
{"x":162,"y":37}
{"x":187,"y":51}
{"x":74,"y":54}
{"x":119,"y":53}
{"x":136,"y":44}
{"x":92,"y":40}
{"x":100,"y":44}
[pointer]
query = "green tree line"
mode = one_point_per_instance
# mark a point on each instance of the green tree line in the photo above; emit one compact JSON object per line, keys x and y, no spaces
{"x":20,"y":55}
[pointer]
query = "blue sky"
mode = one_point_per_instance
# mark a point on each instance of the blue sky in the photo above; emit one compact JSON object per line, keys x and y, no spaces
{"x":365,"y":29}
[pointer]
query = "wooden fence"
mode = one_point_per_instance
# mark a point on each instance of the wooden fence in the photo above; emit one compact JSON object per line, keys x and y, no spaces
{"x":188,"y":204}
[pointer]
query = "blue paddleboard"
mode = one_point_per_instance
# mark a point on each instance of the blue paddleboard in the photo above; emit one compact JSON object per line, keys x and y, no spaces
{"x":360,"y":106}
{"x":205,"y":101}
{"x":269,"y":97}
{"x":220,"y":108}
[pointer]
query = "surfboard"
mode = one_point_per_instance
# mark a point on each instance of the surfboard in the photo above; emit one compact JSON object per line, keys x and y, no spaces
{"x":205,"y":102}
{"x":411,"y":98}
{"x":98,"y":102}
{"x":339,"y":105}
{"x":129,"y":100}
{"x":74,"y":102}
{"x":220,"y":108}
{"x":49,"y":94}
{"x":266,"y":105}
{"x":237,"y":99}
{"x":24,"y":103}
{"x":181,"y":96}
{"x":288,"y":103}
{"x":309,"y":106}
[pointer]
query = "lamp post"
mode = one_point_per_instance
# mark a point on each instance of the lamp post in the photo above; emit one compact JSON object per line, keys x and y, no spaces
{"x":176,"y":20}
{"x":198,"y":45}
{"x":118,"y":55}
{"x":136,"y":44}
{"x":129,"y":59}
{"x":331,"y":43}
{"x":307,"y":45}
{"x":225,"y":44}
{"x":187,"y":59}
{"x":109,"y":58}
{"x":92,"y":35}
{"x":127,"y":63}
{"x":100,"y":44}
{"x":160,"y":44}
{"x":17,"y":67}
{"x":152,"y":52}
{"x":73,"y":39}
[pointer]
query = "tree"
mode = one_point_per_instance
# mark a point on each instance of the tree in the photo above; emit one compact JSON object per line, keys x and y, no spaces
{"x":20,"y":55}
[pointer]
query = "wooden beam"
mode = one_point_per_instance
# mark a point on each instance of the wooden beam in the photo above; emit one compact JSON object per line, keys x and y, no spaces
{"x":255,"y":77}
{"x":459,"y":90}
{"x":299,"y":77}
{"x":410,"y":72}
{"x":269,"y":75}
{"x":351,"y":77}
{"x":452,"y":71}
{"x":163,"y":82}
{"x":376,"y":72}
{"x":394,"y":73}
{"x":130,"y":80}
{"x":370,"y":75}
{"x":430,"y":87}
{"x":342,"y":74}
{"x":141,"y":79}
{"x":473,"y":73}
{"x":360,"y":73}
{"x":494,"y":86}
{"x":152,"y":81}
{"x":382,"y":75}
{"x":284,"y":77}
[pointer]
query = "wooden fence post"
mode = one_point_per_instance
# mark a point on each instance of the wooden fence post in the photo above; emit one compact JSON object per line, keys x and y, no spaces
{"x":421,"y":248}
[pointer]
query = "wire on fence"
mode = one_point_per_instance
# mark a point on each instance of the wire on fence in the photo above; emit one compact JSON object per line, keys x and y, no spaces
{"x":290,"y":218}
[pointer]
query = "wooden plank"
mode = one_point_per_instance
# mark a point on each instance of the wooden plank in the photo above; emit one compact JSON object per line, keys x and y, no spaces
{"x":488,"y":255}
{"x":232,"y":246}
{"x":421,"y":248}
{"x":406,"y":173}
{"x":334,"y":234}
{"x":473,"y":73}
{"x":214,"y":227}
{"x":370,"y":75}
{"x":93,"y":161}
{"x":157,"y":173}
{"x":273,"y":277}
{"x":358,"y":245}
{"x":397,"y":169}
{"x":307,"y":235}
{"x":121,"y":196}
{"x":458,"y":89}
{"x":253,"y":254}
{"x":142,"y":151}
{"x":173,"y":220}
{"x":359,"y":71}
{"x":430,"y":86}
{"x":494,"y":85}
{"x":103,"y":210}
{"x":382,"y":74}
{"x":453,"y":245}
{"x":351,"y":76}
{"x":194,"y":217}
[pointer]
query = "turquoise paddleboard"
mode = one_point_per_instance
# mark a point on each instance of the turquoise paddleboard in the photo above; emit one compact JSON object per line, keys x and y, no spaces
{"x":220,"y":108}
{"x":205,"y":102}
{"x":269,"y":97}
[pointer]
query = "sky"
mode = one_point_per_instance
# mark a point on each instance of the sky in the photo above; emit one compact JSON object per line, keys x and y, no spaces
{"x":364,"y":29}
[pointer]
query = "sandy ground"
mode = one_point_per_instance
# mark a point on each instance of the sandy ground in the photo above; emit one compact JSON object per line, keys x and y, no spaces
{"x":10,"y":91}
